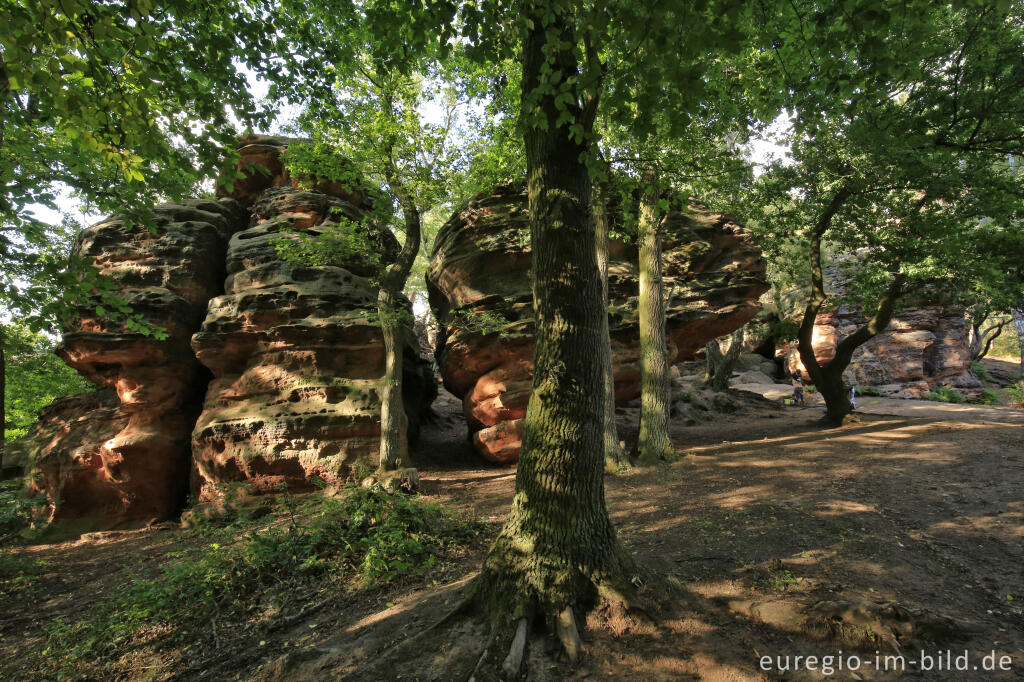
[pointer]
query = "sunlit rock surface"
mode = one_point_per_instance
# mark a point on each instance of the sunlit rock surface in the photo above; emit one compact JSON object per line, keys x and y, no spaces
{"x":479,"y":282}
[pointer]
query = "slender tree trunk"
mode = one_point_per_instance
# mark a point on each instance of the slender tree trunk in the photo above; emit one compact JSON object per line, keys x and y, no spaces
{"x":3,"y":395}
{"x":719,"y":366}
{"x":828,"y":379}
{"x":653,"y":444}
{"x":981,"y":339}
{"x":394,"y":423}
{"x":614,"y":454}
{"x":1018,"y":322}
{"x":558,"y":551}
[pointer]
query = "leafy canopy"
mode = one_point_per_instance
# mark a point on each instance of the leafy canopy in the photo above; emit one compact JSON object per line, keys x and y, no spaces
{"x":120,"y":102}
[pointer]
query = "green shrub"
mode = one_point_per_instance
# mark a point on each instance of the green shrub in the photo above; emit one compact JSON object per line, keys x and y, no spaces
{"x":869,"y":391}
{"x":18,"y":511}
{"x":980,"y":372}
{"x":941,"y":394}
{"x":990,"y":397}
{"x":1016,"y":394}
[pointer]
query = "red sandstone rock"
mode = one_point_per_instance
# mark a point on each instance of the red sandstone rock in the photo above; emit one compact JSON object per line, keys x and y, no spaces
{"x":924,"y":345}
{"x":480,"y":268}
{"x":261,"y":167}
{"x":295,"y":358}
{"x":132,"y":461}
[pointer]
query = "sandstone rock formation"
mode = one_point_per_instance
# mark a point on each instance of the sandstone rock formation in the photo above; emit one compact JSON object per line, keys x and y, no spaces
{"x":925,"y":344}
{"x":132,"y":460}
{"x":479,"y":284}
{"x":294,"y":354}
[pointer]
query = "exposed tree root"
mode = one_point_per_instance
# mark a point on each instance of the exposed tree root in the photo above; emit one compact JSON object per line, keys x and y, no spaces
{"x":568,"y":635}
{"x":514,"y":661}
{"x":462,"y":606}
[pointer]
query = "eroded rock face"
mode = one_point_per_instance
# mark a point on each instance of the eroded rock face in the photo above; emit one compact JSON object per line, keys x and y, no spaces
{"x":479,"y":283}
{"x":296,"y":358}
{"x":925,"y":344}
{"x":64,"y":450}
{"x":261,"y":165}
{"x":921,"y":347}
{"x":133,"y":462}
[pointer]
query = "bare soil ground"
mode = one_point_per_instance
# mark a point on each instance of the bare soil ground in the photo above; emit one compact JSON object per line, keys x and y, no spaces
{"x":770,"y":536}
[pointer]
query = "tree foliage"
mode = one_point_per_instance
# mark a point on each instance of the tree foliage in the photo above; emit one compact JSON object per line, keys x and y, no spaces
{"x":35,"y":377}
{"x":118,"y":103}
{"x":902,"y":158}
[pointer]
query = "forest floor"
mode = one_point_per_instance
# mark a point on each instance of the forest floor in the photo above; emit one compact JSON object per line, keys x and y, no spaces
{"x":769,"y":536}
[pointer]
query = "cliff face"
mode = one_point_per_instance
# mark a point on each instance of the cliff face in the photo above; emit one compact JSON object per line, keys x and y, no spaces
{"x":139,"y":468}
{"x":479,"y":283}
{"x":295,"y":358}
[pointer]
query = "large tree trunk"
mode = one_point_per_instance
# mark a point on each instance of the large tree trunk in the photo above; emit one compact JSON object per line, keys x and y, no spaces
{"x":614,"y":454}
{"x":558,"y":550}
{"x":653,"y":444}
{"x":1018,"y":322}
{"x":394,"y":423}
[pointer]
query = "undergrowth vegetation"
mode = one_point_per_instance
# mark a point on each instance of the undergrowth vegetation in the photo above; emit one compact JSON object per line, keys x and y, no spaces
{"x":941,"y":394}
{"x":252,"y":572}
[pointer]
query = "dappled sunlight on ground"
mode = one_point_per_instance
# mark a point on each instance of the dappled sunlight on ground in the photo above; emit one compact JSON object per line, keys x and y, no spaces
{"x":759,"y":519}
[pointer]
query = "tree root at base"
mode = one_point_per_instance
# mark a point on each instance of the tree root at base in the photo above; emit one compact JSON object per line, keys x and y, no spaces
{"x":514,"y":661}
{"x":568,"y":635}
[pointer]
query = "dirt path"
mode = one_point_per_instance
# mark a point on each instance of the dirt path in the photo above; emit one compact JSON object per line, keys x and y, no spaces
{"x":906,"y":408}
{"x":764,"y":517}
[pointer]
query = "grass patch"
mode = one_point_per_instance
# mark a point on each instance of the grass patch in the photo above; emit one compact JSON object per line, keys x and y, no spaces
{"x":784,"y":581}
{"x":941,"y":394}
{"x":990,"y":396}
{"x":869,"y":391}
{"x":249,"y":572}
{"x":980,"y":372}
{"x":18,"y":512}
{"x":1016,"y":394}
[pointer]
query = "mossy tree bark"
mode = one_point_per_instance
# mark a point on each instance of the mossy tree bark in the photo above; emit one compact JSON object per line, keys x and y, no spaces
{"x":558,"y":552}
{"x":614,"y":454}
{"x":653,"y":444}
{"x":394,"y":423}
{"x":828,"y":379}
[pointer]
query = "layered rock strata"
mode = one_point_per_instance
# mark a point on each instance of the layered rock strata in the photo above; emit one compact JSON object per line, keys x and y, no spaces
{"x":296,"y":353}
{"x":480,"y":291}
{"x":132,"y":461}
{"x":921,"y":347}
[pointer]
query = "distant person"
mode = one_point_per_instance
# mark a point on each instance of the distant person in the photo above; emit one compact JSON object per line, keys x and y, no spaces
{"x":853,"y":397}
{"x":798,"y":390}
